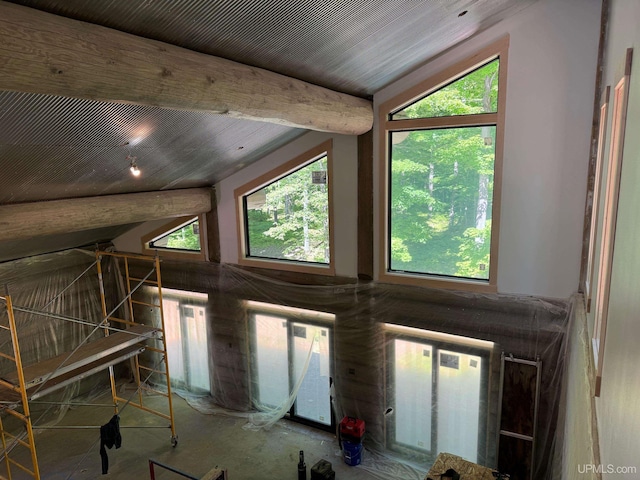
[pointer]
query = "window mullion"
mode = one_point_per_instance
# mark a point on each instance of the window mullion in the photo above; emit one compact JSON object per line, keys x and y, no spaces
{"x":443,"y":122}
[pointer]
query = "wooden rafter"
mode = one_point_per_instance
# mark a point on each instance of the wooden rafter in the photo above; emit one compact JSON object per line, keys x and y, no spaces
{"x":49,"y":54}
{"x":26,"y":220}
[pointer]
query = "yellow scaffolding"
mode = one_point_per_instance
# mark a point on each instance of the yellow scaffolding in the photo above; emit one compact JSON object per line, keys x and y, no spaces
{"x":9,"y":440}
{"x":132,"y":284}
{"x":127,"y":341}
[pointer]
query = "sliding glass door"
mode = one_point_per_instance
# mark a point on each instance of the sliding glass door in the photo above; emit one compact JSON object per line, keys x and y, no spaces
{"x":186,"y":334}
{"x":413,"y":381}
{"x":311,"y":363}
{"x":439,"y":396}
{"x":292,"y":363}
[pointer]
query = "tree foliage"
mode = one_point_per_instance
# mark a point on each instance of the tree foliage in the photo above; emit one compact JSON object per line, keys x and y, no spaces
{"x":442,"y":183}
{"x":185,"y":238}
{"x":293,"y":220}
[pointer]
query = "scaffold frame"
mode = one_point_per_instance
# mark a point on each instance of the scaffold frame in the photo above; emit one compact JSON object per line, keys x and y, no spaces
{"x":126,"y":341}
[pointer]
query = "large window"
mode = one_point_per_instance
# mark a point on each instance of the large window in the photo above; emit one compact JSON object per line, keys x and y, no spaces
{"x":438,"y":385}
{"x":285,"y":215}
{"x":185,"y":322}
{"x":611,"y":193}
{"x":595,"y":207}
{"x":442,"y":145}
{"x":292,"y":361}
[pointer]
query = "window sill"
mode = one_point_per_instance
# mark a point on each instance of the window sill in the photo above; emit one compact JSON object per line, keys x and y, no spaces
{"x":289,"y":266}
{"x":177,"y":255}
{"x":438,"y":282}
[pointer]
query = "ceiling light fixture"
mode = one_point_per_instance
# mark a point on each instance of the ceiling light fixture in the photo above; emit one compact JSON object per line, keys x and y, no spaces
{"x":133,"y":166}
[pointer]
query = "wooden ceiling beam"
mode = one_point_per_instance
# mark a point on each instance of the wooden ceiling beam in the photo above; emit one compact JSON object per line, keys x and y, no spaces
{"x":49,"y":54}
{"x":27,"y":220}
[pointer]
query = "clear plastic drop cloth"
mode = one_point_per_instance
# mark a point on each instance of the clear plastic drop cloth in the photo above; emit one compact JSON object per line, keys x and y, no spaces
{"x":64,"y":286}
{"x":421,"y":367}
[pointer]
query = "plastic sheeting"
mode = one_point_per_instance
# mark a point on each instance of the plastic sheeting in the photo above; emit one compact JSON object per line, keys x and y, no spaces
{"x":420,"y":366}
{"x":54,"y":284}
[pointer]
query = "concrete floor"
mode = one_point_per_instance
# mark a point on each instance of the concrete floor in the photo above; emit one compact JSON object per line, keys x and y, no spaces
{"x":205,"y":441}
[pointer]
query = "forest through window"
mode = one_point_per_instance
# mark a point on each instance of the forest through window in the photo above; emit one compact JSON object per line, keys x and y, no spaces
{"x":441,"y":161}
{"x":185,"y":237}
{"x":288,"y":219}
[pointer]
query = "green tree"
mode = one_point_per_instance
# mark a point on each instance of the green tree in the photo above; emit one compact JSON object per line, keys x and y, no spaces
{"x":442,"y":182}
{"x":186,"y":238}
{"x":474,"y":251}
{"x":293,"y":221}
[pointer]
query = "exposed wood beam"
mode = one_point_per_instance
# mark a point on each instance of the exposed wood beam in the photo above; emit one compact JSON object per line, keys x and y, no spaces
{"x":49,"y":54}
{"x":26,"y":220}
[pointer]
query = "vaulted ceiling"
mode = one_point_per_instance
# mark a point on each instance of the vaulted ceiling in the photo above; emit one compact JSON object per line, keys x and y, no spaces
{"x":54,"y":146}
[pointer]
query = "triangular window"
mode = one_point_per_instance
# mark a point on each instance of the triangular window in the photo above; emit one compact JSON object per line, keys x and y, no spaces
{"x":181,"y":238}
{"x":474,"y":93}
{"x":185,"y":237}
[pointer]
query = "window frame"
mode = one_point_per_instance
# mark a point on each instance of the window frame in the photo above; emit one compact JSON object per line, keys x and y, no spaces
{"x":498,"y":49}
{"x":302,"y":160}
{"x":170,"y":227}
{"x":597,"y":193}
{"x":437,"y":341}
{"x":183,"y":297}
{"x":609,"y":220}
{"x":291,"y":315}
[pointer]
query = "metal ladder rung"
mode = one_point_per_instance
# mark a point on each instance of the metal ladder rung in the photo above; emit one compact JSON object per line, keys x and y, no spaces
{"x":122,"y":320}
{"x":10,"y":385}
{"x":140,"y":280}
{"x":17,"y":439}
{"x":149,"y":389}
{"x":8,"y":357}
{"x":160,"y":372}
{"x":154,"y":349}
{"x":21,"y":467}
{"x":146,"y":409}
{"x":17,"y":415}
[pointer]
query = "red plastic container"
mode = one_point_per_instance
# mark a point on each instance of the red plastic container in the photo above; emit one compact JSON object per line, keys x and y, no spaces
{"x":352,"y":429}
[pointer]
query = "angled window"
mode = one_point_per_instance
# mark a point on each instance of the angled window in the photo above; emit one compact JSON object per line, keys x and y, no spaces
{"x":442,"y":146}
{"x":186,"y":237}
{"x":476,"y":92}
{"x":611,"y":194}
{"x":595,"y":207}
{"x":180,"y":238}
{"x":285,"y":216}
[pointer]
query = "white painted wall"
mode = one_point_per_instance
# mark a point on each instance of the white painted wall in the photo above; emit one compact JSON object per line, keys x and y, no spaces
{"x":345,"y":197}
{"x":618,"y":408}
{"x":131,"y":241}
{"x":550,"y":91}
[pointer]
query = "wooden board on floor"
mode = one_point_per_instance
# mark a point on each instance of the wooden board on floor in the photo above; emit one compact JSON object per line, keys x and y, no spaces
{"x":215,"y":474}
